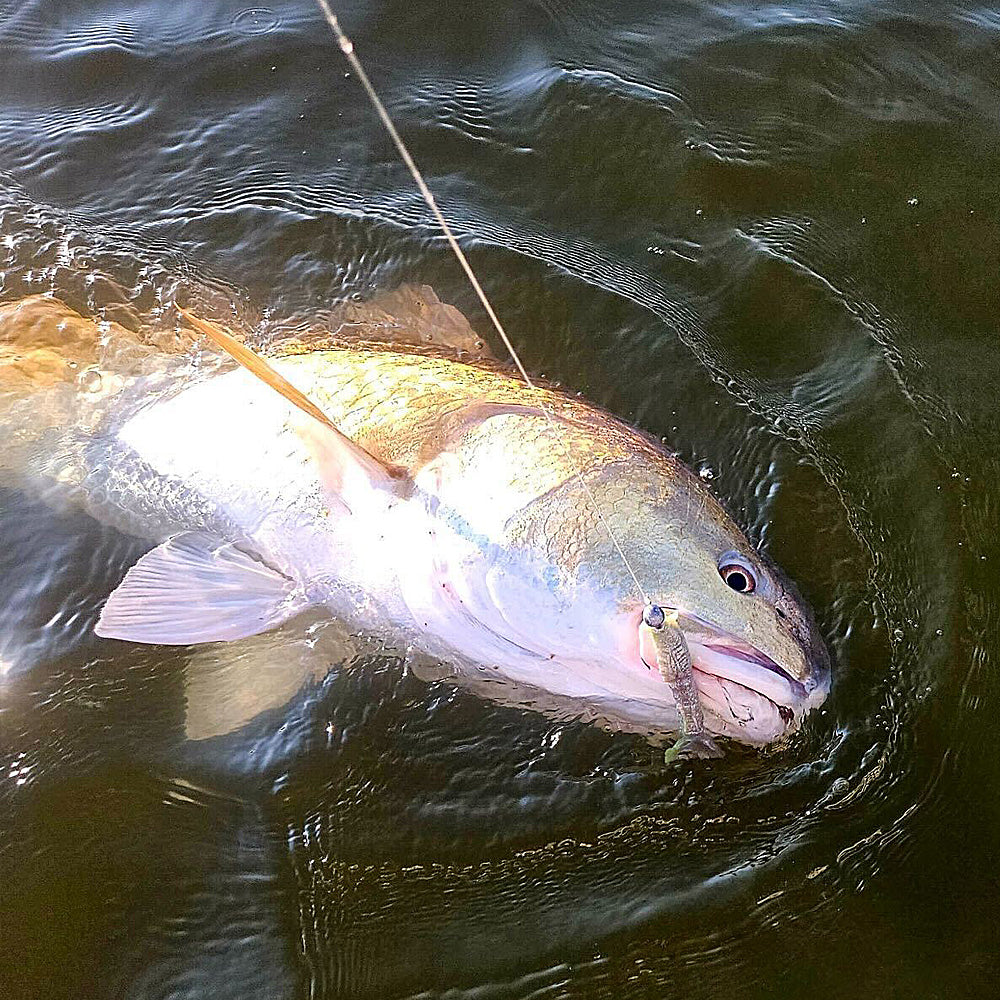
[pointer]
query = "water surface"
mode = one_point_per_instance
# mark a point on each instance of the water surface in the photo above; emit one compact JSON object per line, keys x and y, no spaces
{"x":765,"y":233}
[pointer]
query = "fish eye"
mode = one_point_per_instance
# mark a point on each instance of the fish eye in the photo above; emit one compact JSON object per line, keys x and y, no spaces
{"x":738,"y":576}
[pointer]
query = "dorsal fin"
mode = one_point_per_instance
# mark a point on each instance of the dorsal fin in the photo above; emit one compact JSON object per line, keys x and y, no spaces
{"x":334,"y":450}
{"x":254,"y":363}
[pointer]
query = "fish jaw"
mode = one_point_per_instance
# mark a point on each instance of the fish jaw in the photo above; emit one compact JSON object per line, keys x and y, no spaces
{"x":751,"y":699}
{"x":744,"y":694}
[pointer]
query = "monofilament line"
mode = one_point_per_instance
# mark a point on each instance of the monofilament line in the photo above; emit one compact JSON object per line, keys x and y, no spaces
{"x":347,"y":47}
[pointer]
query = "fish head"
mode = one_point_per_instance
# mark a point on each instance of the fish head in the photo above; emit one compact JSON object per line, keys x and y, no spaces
{"x":759,"y":663}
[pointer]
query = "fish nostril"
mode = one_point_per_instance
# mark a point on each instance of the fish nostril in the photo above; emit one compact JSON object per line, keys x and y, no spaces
{"x":786,"y":714}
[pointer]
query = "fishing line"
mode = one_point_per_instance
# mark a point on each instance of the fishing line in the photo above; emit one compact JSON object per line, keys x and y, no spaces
{"x":347,"y":47}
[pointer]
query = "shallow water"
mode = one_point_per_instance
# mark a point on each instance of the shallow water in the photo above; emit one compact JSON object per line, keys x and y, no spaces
{"x":767,"y":233}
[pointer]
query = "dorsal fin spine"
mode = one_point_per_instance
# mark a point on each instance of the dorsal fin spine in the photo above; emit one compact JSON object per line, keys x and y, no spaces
{"x":390,"y":476}
{"x":255,"y":364}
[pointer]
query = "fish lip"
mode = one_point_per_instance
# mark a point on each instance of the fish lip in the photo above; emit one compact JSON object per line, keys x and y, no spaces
{"x":752,"y":727}
{"x":792,"y":699}
{"x":753,"y":655}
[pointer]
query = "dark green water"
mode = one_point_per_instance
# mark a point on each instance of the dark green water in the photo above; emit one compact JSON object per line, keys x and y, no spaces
{"x":767,"y":233}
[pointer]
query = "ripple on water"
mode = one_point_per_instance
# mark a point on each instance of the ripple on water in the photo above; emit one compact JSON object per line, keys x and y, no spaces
{"x":381,"y":835}
{"x":256,"y":21}
{"x":395,"y":799}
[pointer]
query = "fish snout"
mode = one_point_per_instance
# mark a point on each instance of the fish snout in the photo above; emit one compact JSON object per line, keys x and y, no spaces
{"x":801,"y":626}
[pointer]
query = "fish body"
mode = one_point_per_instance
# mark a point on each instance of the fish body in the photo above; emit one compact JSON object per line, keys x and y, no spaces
{"x":458,"y":522}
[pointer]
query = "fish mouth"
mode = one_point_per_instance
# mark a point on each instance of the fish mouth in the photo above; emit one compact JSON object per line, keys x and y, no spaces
{"x":744,"y":692}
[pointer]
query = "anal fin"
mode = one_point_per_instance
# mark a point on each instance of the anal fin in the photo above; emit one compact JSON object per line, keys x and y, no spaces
{"x":195,"y":588}
{"x":227,"y":686}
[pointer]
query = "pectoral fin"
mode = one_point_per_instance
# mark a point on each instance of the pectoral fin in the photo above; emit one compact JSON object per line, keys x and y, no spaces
{"x":349,"y":474}
{"x":195,"y":588}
